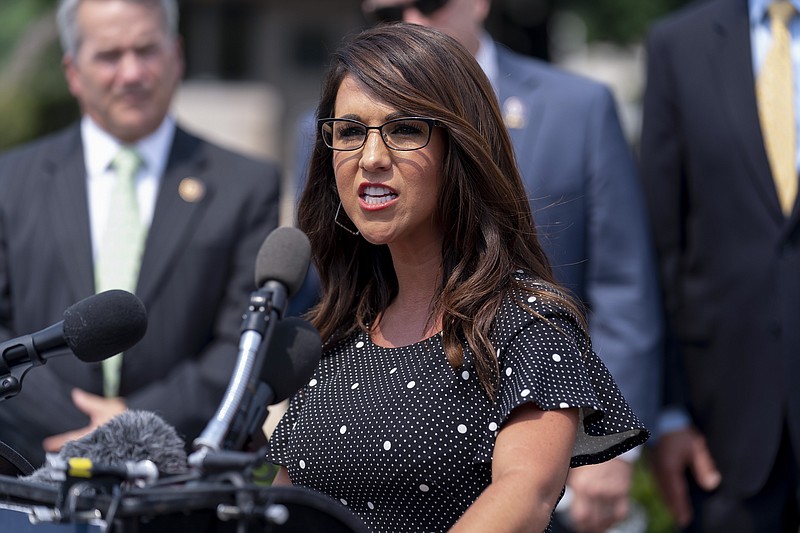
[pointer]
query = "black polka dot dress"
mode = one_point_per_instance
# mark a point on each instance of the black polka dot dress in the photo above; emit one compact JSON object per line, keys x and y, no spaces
{"x":405,"y":441}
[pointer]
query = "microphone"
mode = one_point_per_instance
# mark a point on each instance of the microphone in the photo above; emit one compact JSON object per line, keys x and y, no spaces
{"x":82,"y":467}
{"x":93,"y":329}
{"x":132,"y":445}
{"x":294,"y":353}
{"x":282,"y":263}
{"x":281,"y":266}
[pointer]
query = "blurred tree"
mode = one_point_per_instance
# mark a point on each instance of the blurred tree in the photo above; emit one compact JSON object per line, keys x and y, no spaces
{"x":33,"y":94}
{"x":525,"y":25}
{"x":619,"y":21}
{"x":34,"y":97}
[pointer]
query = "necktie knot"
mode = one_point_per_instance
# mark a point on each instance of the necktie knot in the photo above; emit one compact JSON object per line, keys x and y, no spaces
{"x":127,"y":162}
{"x":781,"y":12}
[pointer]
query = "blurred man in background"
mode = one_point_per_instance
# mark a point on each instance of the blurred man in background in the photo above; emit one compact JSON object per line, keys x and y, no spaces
{"x":719,"y":158}
{"x":127,"y":199}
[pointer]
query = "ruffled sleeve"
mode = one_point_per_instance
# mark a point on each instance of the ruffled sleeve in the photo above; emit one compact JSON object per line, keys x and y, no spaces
{"x":545,"y":357}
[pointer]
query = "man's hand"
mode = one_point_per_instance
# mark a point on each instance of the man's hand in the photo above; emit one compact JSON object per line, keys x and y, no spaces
{"x":99,"y":409}
{"x":600,"y":495}
{"x":674,"y":454}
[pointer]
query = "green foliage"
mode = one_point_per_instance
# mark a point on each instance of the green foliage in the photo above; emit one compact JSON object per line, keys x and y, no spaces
{"x":265,"y":474}
{"x":644,"y":492}
{"x":38,"y":102}
{"x":14,"y":17}
{"x":620,"y":21}
{"x":33,"y":94}
{"x":39,"y":105}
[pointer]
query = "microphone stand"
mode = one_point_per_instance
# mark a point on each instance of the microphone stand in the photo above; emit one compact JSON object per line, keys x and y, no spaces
{"x":17,"y":356}
{"x":266,"y":306}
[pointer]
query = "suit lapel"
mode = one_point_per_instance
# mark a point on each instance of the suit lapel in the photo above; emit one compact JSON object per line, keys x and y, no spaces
{"x":182,"y":197}
{"x":517,"y":94}
{"x":68,"y":211}
{"x":732,"y":64}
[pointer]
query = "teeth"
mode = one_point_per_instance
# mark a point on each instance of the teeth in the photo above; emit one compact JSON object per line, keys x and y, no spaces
{"x":372,"y":200}
{"x":374,"y":190}
{"x":374,"y":195}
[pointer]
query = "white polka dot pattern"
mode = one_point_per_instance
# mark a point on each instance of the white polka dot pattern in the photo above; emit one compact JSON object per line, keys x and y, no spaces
{"x":407,"y":441}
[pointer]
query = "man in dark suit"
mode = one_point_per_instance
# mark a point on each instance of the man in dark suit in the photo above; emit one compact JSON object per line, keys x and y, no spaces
{"x":730,"y":266}
{"x":207,"y":209}
{"x":589,"y":210}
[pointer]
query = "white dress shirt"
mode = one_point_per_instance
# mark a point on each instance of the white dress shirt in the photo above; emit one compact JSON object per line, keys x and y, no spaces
{"x":99,"y":149}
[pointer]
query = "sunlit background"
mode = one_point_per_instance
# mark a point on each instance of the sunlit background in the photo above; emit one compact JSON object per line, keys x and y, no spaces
{"x":254,"y":65}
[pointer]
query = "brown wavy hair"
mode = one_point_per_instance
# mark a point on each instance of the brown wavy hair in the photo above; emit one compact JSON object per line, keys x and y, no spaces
{"x":483,"y":208}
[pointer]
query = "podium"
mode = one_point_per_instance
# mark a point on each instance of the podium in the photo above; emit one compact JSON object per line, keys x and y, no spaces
{"x":200,"y":505}
{"x":17,"y":518}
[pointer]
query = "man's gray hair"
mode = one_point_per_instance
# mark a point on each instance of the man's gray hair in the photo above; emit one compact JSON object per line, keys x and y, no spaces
{"x":71,"y":37}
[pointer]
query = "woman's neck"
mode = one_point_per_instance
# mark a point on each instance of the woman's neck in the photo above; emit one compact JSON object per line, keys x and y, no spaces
{"x":408,"y":319}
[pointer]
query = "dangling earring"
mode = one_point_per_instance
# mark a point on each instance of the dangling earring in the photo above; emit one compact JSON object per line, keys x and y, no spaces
{"x":336,"y":219}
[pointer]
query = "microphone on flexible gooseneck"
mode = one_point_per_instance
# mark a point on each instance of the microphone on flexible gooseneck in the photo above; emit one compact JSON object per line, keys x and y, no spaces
{"x":293,"y":354}
{"x":93,"y":329}
{"x":282,"y":263}
{"x":281,"y":267}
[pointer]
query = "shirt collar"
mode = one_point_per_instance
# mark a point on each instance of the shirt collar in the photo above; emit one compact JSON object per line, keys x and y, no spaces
{"x":758,"y":9}
{"x":487,"y":58}
{"x":100,"y":147}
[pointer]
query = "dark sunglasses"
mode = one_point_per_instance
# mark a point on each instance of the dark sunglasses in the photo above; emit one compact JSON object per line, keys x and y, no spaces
{"x":395,"y":13}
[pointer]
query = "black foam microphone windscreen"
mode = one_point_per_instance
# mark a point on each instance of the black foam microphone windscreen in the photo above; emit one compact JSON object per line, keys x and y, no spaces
{"x":293,"y":355}
{"x":105,"y":324}
{"x":284,"y":257}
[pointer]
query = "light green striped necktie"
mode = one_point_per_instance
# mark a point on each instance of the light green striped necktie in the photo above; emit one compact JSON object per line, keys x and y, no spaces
{"x":121,"y":246}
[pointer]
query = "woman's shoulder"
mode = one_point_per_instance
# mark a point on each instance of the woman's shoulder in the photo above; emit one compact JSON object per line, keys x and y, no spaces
{"x":530,"y":299}
{"x":537,"y":298}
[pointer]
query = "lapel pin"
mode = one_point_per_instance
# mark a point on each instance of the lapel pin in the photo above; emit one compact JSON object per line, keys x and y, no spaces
{"x":191,"y":190}
{"x":514,"y":113}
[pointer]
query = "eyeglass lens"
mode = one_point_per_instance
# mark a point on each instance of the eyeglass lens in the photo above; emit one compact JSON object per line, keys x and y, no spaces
{"x":395,"y":13}
{"x":401,"y":134}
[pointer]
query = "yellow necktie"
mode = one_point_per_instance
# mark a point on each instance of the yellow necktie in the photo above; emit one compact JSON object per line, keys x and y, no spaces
{"x":121,"y":246}
{"x":775,"y":94}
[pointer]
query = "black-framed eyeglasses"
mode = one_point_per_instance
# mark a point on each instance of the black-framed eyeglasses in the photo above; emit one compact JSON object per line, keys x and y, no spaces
{"x":400,"y":134}
{"x":395,"y":13}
